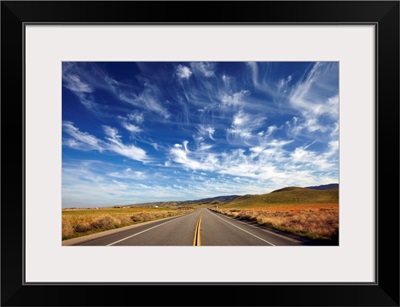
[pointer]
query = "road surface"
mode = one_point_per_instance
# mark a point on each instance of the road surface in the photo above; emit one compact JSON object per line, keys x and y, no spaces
{"x":200,"y":228}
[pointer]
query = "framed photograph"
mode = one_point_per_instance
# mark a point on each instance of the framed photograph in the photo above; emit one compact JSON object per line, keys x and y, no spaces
{"x":239,"y":153}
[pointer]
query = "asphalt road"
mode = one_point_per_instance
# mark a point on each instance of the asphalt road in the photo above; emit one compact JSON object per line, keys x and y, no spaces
{"x":200,"y":228}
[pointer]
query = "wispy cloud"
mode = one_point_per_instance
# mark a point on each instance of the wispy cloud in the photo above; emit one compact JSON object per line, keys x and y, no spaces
{"x":131,"y":121}
{"x":284,"y":82}
{"x":272,"y":162}
{"x":243,"y":128}
{"x":204,"y":68}
{"x":260,"y":78}
{"x":82,"y":90}
{"x":309,"y":98}
{"x":132,"y":128}
{"x":183,"y":72}
{"x":180,"y":154}
{"x":128,"y":173}
{"x":84,"y":141}
{"x":206,"y":131}
{"x":74,"y":83}
{"x":147,"y":99}
{"x":136,"y":116}
{"x":85,"y":79}
{"x":115,"y":145}
{"x":235,"y":99}
{"x":81,"y":140}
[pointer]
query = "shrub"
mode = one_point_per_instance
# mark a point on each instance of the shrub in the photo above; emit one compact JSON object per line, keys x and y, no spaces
{"x":105,"y":222}
{"x":82,"y":227}
{"x":67,"y":229}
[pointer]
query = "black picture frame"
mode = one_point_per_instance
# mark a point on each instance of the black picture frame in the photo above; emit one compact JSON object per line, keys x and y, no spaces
{"x":383,"y":14}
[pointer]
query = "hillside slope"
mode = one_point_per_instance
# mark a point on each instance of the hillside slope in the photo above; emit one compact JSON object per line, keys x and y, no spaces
{"x":289,"y":195}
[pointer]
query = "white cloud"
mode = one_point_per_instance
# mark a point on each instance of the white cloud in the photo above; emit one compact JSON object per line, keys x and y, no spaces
{"x":185,"y":143}
{"x":75,"y":84}
{"x":225,"y":79}
{"x":258,"y":76}
{"x":112,"y":134}
{"x":271,"y":129}
{"x":85,"y":80}
{"x":180,"y":156}
{"x":284,"y":82}
{"x":132,"y":128}
{"x":204,"y":147}
{"x":270,"y":162}
{"x":128,"y":173}
{"x":136,"y":116}
{"x":234,"y":99}
{"x":206,"y":130}
{"x":82,"y":90}
{"x":241,"y":119}
{"x":243,"y":126}
{"x":204,"y":68}
{"x":332,"y":106}
{"x":126,"y":122}
{"x":333,"y":149}
{"x":85,"y":141}
{"x":115,"y":145}
{"x":308,"y":98}
{"x":254,"y":72}
{"x":81,"y":140}
{"x":183,"y":72}
{"x":148,"y":100}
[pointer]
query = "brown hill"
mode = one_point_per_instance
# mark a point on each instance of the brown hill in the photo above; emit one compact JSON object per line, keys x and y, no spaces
{"x":289,"y":195}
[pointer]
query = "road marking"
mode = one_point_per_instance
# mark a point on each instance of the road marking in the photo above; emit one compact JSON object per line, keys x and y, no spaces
{"x":145,"y":230}
{"x":269,"y":232}
{"x":245,"y":231}
{"x":196,"y":239}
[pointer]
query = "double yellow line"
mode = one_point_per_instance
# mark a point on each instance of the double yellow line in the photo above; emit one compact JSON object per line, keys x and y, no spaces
{"x":196,"y":240}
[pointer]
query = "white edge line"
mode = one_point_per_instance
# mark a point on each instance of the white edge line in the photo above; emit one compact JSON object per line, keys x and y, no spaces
{"x":147,"y":230}
{"x":269,"y":231}
{"x":244,"y":230}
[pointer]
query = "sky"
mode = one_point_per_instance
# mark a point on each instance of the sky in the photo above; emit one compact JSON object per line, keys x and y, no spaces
{"x":136,"y":132}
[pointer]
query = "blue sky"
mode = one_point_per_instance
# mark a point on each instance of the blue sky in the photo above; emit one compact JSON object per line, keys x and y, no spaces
{"x":136,"y":132}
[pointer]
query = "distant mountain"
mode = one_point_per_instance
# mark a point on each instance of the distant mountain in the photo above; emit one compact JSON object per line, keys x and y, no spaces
{"x":324,"y":187}
{"x":184,"y":202}
{"x":220,"y":198}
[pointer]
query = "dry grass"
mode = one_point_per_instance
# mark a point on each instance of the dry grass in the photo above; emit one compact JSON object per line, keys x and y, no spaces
{"x":76,"y":223}
{"x":285,"y":196}
{"x":312,"y":221}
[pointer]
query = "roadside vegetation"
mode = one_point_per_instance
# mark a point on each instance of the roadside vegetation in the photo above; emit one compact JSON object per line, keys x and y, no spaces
{"x":311,"y":214}
{"x":81,"y":222}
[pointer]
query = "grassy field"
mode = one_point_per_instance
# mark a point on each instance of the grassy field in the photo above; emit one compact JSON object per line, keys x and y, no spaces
{"x":291,"y":195}
{"x":80,"y":222}
{"x":312,"y":214}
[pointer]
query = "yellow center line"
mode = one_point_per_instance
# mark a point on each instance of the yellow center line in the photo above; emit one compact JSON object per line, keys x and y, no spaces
{"x":196,"y":239}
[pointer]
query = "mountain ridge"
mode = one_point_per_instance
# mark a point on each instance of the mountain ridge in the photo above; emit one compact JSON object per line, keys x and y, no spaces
{"x":324,"y":186}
